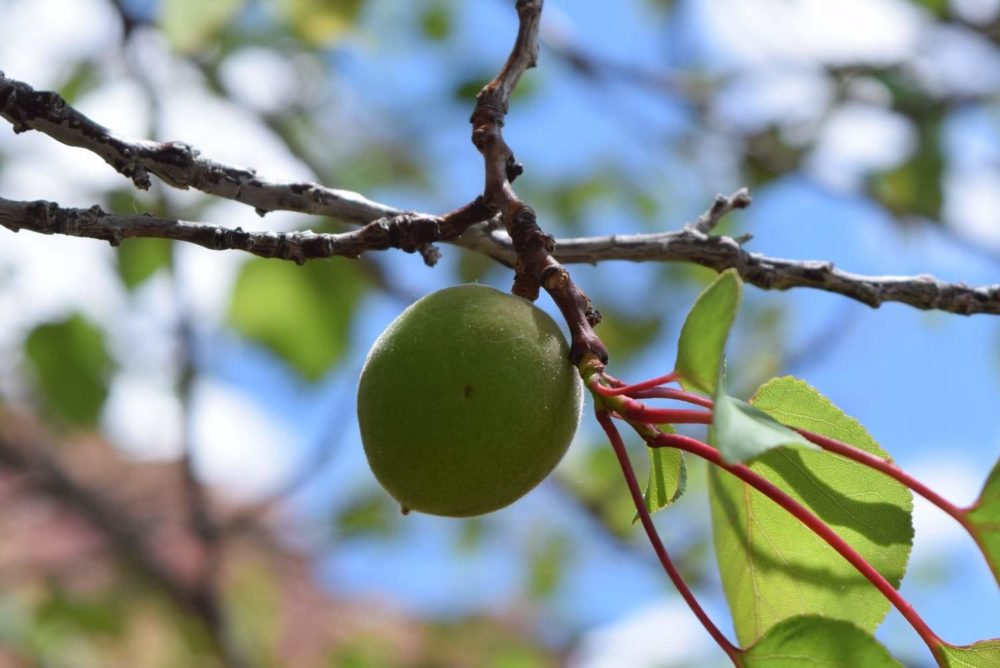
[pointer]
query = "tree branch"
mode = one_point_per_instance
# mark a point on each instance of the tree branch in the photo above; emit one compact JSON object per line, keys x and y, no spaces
{"x":534,"y":267}
{"x":388,"y":227}
{"x":408,"y":231}
{"x":176,"y":163}
{"x":923,"y":291}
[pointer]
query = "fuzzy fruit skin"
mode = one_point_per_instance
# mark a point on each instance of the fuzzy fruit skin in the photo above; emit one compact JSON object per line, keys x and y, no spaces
{"x":467,"y":401}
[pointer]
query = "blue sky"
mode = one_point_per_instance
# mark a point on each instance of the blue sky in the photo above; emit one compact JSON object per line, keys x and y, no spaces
{"x":926,"y":385}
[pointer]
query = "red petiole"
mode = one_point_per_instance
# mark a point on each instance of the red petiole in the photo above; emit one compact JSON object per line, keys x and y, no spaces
{"x":731,"y":650}
{"x":815,"y":524}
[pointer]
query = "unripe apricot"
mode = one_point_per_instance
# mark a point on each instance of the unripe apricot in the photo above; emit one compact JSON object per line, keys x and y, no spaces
{"x":467,"y":401}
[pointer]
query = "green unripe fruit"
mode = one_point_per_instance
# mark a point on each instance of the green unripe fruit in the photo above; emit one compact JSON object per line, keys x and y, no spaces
{"x":467,"y":401}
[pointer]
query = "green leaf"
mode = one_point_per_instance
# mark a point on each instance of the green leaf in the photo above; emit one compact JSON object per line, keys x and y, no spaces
{"x":97,"y":615}
{"x":139,"y":259}
{"x":71,"y":366}
{"x":915,"y":187}
{"x":370,"y":515}
{"x":191,"y":25}
{"x":628,"y":334}
{"x":321,"y":22}
{"x":937,"y":7}
{"x":818,"y":642}
{"x":983,"y":654}
{"x":302,"y":314}
{"x":985,"y":519}
{"x":547,"y":564}
{"x":667,"y":479}
{"x":742,"y":432}
{"x":436,"y":21}
{"x":703,"y":337}
{"x":772,"y":566}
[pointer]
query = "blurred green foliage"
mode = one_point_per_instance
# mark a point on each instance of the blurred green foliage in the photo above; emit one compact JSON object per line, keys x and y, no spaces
{"x":72,"y":368}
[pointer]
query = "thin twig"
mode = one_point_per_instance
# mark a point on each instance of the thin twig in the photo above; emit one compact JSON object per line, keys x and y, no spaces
{"x":923,"y":291}
{"x":405,"y":231}
{"x":534,"y":266}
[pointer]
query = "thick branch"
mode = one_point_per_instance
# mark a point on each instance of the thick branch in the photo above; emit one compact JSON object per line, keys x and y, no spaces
{"x":178,"y":164}
{"x":409,"y":231}
{"x":768,"y":273}
{"x":389,"y":227}
{"x":405,"y":231}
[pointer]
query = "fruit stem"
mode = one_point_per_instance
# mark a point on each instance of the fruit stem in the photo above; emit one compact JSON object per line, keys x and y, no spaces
{"x":731,"y":650}
{"x":815,"y":524}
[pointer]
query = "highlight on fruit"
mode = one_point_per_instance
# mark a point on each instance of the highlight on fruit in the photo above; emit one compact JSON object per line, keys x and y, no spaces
{"x":467,"y":401}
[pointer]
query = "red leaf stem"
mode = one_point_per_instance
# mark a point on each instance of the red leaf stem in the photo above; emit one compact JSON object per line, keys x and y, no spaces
{"x":636,"y":411}
{"x":604,"y":418}
{"x":887,"y":467}
{"x":620,"y":388}
{"x":671,"y":393}
{"x":820,"y":528}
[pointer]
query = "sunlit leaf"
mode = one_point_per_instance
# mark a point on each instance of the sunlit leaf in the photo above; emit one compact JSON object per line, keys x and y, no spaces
{"x":100,"y":615}
{"x":772,"y":566}
{"x":321,"y":22}
{"x":667,"y":479}
{"x":818,"y":642}
{"x":703,"y":337}
{"x":938,"y":7}
{"x":436,"y":21}
{"x":191,"y":25}
{"x":302,"y":314}
{"x":742,"y":431}
{"x":916,"y":186}
{"x":139,"y":259}
{"x":547,"y":564}
{"x":71,"y":366}
{"x":983,"y":654}
{"x":985,"y":519}
{"x":628,"y":334}
{"x":373,"y":514}
{"x":253,"y":599}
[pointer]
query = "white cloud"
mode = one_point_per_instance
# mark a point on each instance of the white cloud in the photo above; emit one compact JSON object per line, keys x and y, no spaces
{"x":262,"y":79}
{"x":859,"y":138}
{"x":759,"y":31}
{"x":775,"y":96}
{"x":41,"y":39}
{"x":976,"y":11}
{"x":958,"y":61}
{"x":143,"y":418}
{"x":657,"y":636}
{"x":237,"y":443}
{"x":972,"y":200}
{"x":958,"y":481}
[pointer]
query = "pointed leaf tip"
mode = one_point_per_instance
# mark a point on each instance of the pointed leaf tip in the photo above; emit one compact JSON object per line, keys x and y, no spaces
{"x":828,"y":643}
{"x":705,"y":331}
{"x":742,"y":432}
{"x":985,"y":519}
